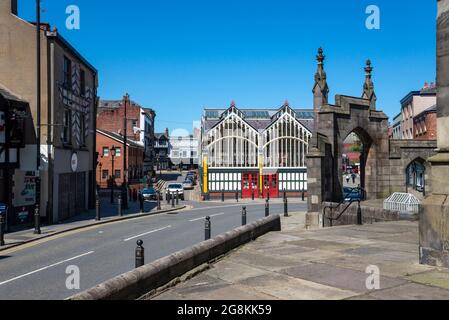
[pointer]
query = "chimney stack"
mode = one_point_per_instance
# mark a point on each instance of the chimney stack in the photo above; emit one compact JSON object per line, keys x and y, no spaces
{"x":14,"y":10}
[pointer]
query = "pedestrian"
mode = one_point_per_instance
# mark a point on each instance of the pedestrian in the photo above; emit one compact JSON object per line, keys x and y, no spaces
{"x":347,"y":178}
{"x":353,"y":178}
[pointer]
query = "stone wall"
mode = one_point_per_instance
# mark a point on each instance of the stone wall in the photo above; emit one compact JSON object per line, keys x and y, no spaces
{"x":370,"y":215}
{"x":402,"y":154}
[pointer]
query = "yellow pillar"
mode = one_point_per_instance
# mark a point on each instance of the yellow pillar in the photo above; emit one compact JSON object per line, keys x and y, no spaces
{"x":205,"y":176}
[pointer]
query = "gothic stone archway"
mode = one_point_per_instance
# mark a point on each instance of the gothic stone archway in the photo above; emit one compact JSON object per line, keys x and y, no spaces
{"x":333,"y":124}
{"x":384,"y":160}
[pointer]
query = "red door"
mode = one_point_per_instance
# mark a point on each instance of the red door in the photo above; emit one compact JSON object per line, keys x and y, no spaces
{"x":249,"y":185}
{"x":271,"y":186}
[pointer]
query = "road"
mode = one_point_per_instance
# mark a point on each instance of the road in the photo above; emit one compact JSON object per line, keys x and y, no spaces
{"x":38,"y":271}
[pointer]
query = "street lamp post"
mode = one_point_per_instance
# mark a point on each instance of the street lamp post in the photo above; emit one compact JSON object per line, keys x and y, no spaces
{"x":38,"y":117}
{"x":125,"y":138}
{"x":113,"y":150}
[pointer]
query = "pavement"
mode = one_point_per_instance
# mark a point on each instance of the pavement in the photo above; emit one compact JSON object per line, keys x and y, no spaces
{"x":325,"y":264}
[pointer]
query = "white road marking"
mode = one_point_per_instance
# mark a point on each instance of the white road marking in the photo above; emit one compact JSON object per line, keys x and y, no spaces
{"x":146,"y":233}
{"x":45,"y":268}
{"x":202,"y":218}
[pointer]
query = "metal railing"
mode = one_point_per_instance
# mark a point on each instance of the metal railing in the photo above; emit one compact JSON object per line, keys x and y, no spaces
{"x":353,"y":191}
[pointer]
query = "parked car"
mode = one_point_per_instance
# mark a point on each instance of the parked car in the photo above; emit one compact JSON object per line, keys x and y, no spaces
{"x":150,"y":194}
{"x":188,"y":184}
{"x":352,"y":194}
{"x":192,"y":176}
{"x":172,"y":188}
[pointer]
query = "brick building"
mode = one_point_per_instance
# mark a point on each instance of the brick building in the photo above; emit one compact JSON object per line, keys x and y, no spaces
{"x":140,"y":125}
{"x":106,"y":141}
{"x":425,"y":124}
{"x":413,"y":104}
{"x":68,"y":107}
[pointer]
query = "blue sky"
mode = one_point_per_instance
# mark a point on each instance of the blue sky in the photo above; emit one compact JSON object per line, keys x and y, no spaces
{"x":180,"y":56}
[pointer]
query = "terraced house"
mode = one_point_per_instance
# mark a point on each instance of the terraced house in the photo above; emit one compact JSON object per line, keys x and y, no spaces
{"x":68,"y":108}
{"x":255,"y":151}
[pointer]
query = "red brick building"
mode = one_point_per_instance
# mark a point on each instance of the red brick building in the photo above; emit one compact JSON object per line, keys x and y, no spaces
{"x":106,"y":140}
{"x":140,"y":125}
{"x":425,"y":124}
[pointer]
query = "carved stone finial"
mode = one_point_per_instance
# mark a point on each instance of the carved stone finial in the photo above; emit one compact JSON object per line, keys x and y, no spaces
{"x":368,"y":68}
{"x":320,"y":89}
{"x":368,"y":87}
{"x":320,"y":57}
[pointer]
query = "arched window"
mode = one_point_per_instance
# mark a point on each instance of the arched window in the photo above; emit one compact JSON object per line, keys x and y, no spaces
{"x":286,"y":143}
{"x":233,"y":143}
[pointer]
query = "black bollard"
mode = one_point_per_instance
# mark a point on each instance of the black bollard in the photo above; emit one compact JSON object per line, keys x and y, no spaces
{"x":285,"y":207}
{"x":158,"y":195}
{"x":267,"y":208}
{"x":97,"y":210}
{"x":359,"y":215}
{"x":222,"y":196}
{"x":140,"y":254}
{"x":244,"y":215}
{"x":177,"y":197}
{"x":207,"y":229}
{"x":252,"y":195}
{"x":237,"y":197}
{"x":119,"y":205}
{"x":303,"y":196}
{"x":37,"y":221}
{"x":141,"y":202}
{"x":2,"y":230}
{"x":167,"y":196}
{"x":172,"y":196}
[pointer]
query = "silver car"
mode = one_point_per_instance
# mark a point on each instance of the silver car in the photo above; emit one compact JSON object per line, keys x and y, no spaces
{"x":172,"y":188}
{"x":188,"y":184}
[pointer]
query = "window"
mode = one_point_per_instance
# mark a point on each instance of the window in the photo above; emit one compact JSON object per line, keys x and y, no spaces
{"x":82,"y":83}
{"x":118,"y":152}
{"x":83,"y":129}
{"x":228,"y":182}
{"x":118,"y":174}
{"x":105,"y":174}
{"x":293,"y":181}
{"x":176,"y":154}
{"x":67,"y":132}
{"x":134,"y":123}
{"x":105,"y":152}
{"x":67,"y":73}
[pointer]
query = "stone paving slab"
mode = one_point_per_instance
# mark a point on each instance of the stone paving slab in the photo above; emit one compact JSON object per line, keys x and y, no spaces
{"x":324,"y":264}
{"x":289,"y":288}
{"x":433,"y":278}
{"x":412,"y":291}
{"x":338,"y":277}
